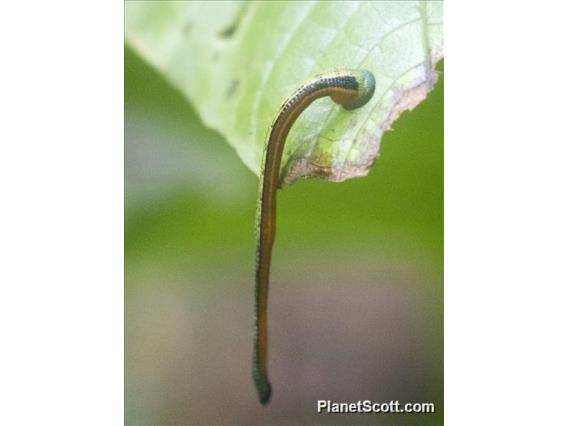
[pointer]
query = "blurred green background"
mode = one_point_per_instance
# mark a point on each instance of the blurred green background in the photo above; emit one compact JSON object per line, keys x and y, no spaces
{"x":356,"y":299}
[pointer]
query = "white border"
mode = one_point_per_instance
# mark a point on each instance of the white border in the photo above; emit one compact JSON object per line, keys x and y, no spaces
{"x":506,"y":192}
{"x":61,"y":223}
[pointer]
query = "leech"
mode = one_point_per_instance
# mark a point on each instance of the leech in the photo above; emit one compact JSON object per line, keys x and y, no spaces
{"x":349,"y":88}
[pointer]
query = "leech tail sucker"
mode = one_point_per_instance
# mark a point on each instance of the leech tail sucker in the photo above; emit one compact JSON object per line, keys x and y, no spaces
{"x":349,"y":88}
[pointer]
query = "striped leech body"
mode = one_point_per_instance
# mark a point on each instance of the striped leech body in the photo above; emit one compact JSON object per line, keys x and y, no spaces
{"x":349,"y":88}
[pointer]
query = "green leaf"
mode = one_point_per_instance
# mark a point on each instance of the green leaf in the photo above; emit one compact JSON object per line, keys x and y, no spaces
{"x":238,"y":61}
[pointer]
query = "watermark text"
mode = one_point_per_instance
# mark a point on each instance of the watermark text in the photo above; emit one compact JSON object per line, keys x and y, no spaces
{"x":367,"y":406}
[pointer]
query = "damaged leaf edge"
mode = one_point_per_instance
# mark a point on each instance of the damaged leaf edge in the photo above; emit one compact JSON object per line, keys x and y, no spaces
{"x":405,"y":100}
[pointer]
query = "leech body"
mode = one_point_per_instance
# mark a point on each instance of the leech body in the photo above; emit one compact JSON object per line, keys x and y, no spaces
{"x":349,"y":88}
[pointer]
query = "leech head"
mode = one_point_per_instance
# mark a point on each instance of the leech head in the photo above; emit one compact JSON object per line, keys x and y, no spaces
{"x":364,"y":85}
{"x":264,"y":391}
